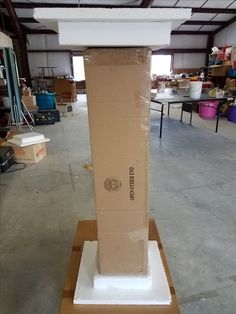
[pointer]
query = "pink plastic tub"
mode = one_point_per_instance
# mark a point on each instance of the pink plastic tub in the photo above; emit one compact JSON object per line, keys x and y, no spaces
{"x":207,"y":109}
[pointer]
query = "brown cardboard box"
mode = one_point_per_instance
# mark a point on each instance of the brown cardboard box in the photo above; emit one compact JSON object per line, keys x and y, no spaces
{"x":87,"y":231}
{"x":26,"y":92}
{"x":220,"y":70}
{"x":118,"y":83}
{"x":30,"y":102}
{"x":31,"y":154}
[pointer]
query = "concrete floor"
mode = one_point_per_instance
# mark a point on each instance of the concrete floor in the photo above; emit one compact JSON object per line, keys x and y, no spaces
{"x":192,"y":193}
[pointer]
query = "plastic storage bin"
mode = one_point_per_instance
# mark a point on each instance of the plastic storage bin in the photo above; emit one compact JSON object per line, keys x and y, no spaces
{"x":46,"y":101}
{"x":207,"y":109}
{"x":232,"y":114}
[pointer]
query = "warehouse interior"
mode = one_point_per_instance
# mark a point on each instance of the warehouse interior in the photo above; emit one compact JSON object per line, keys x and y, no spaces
{"x":192,"y":163}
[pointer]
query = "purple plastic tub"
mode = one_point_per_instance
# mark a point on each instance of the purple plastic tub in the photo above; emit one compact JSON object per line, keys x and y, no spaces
{"x":232,"y":114}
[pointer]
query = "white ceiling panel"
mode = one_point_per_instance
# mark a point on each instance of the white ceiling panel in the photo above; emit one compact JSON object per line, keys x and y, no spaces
{"x":202,"y":16}
{"x":186,"y":41}
{"x":209,"y":27}
{"x":189,"y":27}
{"x":233,"y":5}
{"x":164,"y":3}
{"x":190,"y":3}
{"x":222,"y":4}
{"x":223,"y":17}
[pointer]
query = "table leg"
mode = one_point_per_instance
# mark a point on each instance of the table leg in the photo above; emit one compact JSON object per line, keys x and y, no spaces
{"x":161,"y":123}
{"x":191,"y":115}
{"x":168,"y":112}
{"x":181,"y":117}
{"x":218,"y":116}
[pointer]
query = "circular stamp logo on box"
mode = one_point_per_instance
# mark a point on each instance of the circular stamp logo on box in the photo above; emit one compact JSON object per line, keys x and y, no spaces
{"x":112,"y":184}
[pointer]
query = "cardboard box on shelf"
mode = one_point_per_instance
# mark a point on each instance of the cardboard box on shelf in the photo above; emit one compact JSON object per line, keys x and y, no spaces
{"x":29,"y":154}
{"x":26,"y":92}
{"x":118,"y":83}
{"x":30,"y":102}
{"x":220,"y":70}
{"x":64,"y":85}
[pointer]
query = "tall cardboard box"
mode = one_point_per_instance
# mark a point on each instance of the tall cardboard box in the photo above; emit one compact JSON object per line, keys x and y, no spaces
{"x":118,"y":83}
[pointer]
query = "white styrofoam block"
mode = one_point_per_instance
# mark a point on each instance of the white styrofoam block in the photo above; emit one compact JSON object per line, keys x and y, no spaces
{"x":27,"y":139}
{"x":85,"y":293}
{"x":122,"y":281}
{"x":112,"y":15}
{"x":115,"y":35}
{"x":86,"y":27}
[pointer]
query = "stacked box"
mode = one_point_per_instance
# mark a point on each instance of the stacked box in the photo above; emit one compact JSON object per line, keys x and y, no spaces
{"x":30,"y":102}
{"x":65,"y":90}
{"x":118,"y":83}
{"x":31,"y":154}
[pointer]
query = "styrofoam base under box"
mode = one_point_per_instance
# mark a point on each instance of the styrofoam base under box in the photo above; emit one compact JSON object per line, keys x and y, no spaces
{"x":157,"y":293}
{"x":122,"y":282}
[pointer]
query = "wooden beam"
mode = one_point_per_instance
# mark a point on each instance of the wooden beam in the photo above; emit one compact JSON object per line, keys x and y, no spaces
{"x":190,"y":33}
{"x":173,"y":51}
{"x":146,"y":4}
{"x":228,"y":23}
{"x":21,"y":41}
{"x":204,"y":23}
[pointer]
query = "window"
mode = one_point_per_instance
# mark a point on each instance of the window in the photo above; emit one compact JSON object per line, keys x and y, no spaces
{"x":161,"y":64}
{"x":78,"y":66}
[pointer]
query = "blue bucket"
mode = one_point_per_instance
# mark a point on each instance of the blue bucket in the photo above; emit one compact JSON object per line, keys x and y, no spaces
{"x":46,"y":101}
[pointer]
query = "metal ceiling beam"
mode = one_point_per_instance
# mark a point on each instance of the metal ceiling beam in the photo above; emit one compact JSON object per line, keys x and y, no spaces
{"x":32,"y":5}
{"x":203,"y":10}
{"x":231,"y":21}
{"x":27,"y":20}
{"x":40,"y":31}
{"x":15,"y":22}
{"x":5,"y":24}
{"x":21,"y":41}
{"x":190,"y":33}
{"x":210,"y":44}
{"x":146,"y":4}
{"x":204,"y":23}
{"x":173,"y":51}
{"x":212,"y":10}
